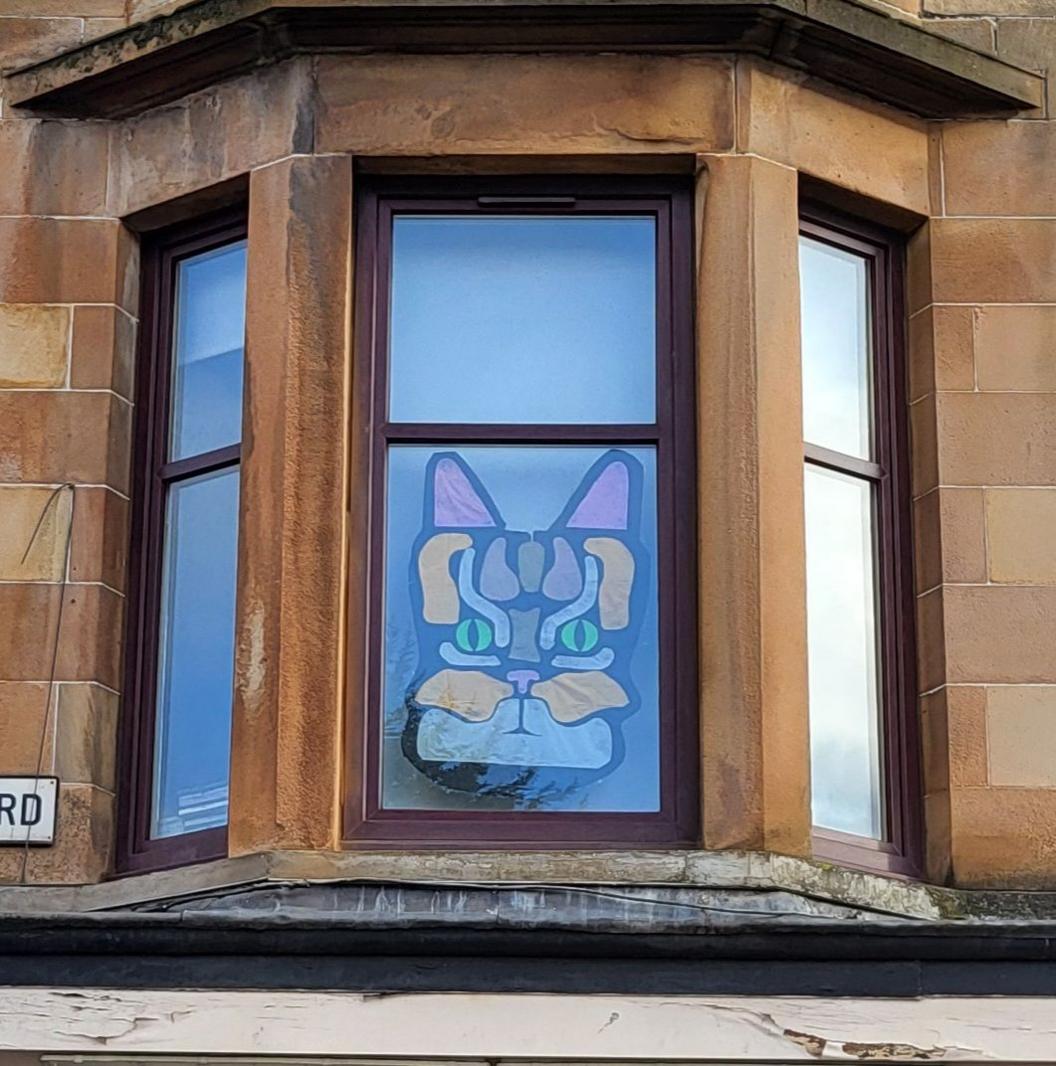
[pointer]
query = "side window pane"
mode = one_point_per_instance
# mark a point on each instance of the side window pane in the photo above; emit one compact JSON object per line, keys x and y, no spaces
{"x":837,"y":370}
{"x":207,"y":357}
{"x":520,"y":644}
{"x":510,"y":319}
{"x":196,"y":655}
{"x":842,"y":654}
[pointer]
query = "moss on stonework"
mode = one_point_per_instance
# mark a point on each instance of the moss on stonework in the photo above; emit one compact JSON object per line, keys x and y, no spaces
{"x":156,"y":32}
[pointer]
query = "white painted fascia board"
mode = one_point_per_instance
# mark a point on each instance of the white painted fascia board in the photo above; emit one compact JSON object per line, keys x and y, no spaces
{"x":90,"y":1022}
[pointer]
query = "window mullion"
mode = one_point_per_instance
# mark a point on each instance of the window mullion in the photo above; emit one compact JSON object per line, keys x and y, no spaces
{"x":201,"y":464}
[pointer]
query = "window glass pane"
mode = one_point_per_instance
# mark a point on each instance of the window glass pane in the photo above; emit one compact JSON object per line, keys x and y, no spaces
{"x":195,"y":671}
{"x":521,"y":656}
{"x":837,"y":361}
{"x":523,"y":319}
{"x":842,"y":654}
{"x":207,"y":359}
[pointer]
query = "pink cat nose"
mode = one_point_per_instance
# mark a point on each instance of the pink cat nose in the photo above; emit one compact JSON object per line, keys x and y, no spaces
{"x":522,"y":679}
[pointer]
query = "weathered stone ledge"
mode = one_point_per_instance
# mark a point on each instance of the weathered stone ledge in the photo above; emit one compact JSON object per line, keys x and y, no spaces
{"x":698,"y":877}
{"x":889,"y":59}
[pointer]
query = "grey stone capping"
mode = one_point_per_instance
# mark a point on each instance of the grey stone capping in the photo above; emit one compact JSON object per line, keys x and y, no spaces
{"x":702,"y":878}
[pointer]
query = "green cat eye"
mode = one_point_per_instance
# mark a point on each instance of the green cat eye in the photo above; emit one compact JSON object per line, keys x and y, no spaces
{"x":579,"y":635}
{"x":473,"y":634}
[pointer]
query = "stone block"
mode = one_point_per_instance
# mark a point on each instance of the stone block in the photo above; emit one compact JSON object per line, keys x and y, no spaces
{"x":999,"y":168}
{"x":83,"y":844}
{"x":993,"y":260}
{"x":918,"y":269}
{"x":34,"y":527}
{"x":141,"y":10}
{"x":941,"y":351}
{"x":95,"y":28}
{"x":909,"y":7}
{"x":211,"y":136}
{"x":103,"y":350}
{"x":53,"y":437}
{"x":86,"y":734}
{"x":999,"y":634}
{"x":826,"y":135}
{"x":26,"y":729}
{"x":502,"y":104}
{"x":53,"y":168}
{"x":996,"y":438}
{"x":1021,"y":734}
{"x":1021,"y":533}
{"x":976,"y":33}
{"x":934,"y":743}
{"x":950,"y":535}
{"x":924,"y":445}
{"x":23,"y":40}
{"x":966,"y":734}
{"x":55,"y":8}
{"x":1004,"y":838}
{"x":931,"y":641}
{"x":1030,"y":43}
{"x":963,"y":535}
{"x":1015,"y":348}
{"x":927,"y":542}
{"x":937,"y":838}
{"x":1008,"y":8}
{"x":100,"y":537}
{"x":89,"y":642}
{"x":62,"y":260}
{"x":34,"y":342}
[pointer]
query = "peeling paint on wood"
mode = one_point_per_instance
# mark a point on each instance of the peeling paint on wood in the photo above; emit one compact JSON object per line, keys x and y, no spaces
{"x":529,"y":1027}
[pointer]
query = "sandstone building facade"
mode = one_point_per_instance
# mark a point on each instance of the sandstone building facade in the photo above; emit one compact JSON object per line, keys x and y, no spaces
{"x":768,"y":143}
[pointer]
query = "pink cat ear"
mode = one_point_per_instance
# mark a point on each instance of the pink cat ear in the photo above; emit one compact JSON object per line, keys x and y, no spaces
{"x":605,"y":504}
{"x":456,"y":503}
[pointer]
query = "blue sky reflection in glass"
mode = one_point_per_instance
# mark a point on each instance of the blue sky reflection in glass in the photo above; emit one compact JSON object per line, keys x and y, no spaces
{"x":526,"y":320}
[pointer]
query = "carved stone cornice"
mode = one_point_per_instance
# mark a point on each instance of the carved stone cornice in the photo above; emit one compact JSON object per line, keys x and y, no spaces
{"x":892,"y":60}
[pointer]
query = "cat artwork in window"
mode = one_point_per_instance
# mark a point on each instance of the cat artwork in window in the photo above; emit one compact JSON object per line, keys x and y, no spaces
{"x":525,"y":638}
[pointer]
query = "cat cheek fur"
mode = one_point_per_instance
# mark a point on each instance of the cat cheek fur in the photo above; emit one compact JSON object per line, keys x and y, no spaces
{"x":571,"y":697}
{"x":468,"y":693}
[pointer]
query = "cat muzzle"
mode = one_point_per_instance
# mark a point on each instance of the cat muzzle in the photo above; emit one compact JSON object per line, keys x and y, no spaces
{"x":521,"y":732}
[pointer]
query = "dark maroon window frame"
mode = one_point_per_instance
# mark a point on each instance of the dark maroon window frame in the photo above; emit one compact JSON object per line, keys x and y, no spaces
{"x":151,"y":480}
{"x":366,"y":823}
{"x":901,"y":850}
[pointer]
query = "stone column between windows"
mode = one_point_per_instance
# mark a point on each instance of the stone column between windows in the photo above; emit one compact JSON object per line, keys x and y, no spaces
{"x":754,"y":735}
{"x":289,"y":660}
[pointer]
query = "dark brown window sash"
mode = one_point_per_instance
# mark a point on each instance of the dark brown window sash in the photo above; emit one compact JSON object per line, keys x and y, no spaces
{"x":365,"y":822}
{"x":152,"y":481}
{"x":900,"y":852}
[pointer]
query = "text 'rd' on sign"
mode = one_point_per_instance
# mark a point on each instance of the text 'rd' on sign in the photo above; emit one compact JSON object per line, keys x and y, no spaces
{"x":27,"y":810}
